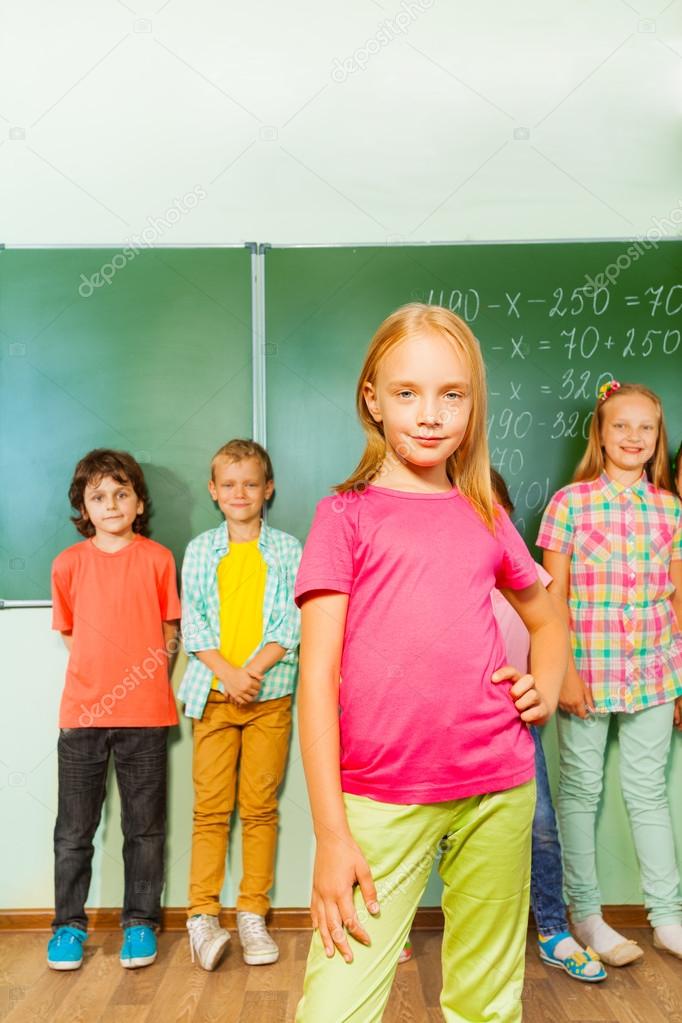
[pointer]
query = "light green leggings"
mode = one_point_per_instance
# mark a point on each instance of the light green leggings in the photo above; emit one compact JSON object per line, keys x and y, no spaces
{"x":644,"y":745}
{"x":482,"y":847}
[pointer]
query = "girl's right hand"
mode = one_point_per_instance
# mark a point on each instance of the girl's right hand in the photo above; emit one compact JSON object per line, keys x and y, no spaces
{"x":339,"y":865}
{"x":677,"y":714}
{"x":575,"y":697}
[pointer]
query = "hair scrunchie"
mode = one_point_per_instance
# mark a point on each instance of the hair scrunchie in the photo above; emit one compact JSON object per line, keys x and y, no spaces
{"x":607,"y":389}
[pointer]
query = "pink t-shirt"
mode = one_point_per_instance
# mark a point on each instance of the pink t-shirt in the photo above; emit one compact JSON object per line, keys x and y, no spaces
{"x":420,"y":720}
{"x":514,"y":633}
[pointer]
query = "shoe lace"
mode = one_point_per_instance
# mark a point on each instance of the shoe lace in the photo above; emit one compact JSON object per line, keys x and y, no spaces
{"x":253,"y":926}
{"x":135,"y":934}
{"x":66,"y":938}
{"x":200,"y":931}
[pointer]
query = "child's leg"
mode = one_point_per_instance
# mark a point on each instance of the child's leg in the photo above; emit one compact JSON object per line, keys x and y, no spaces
{"x":400,"y":844}
{"x":581,"y":759}
{"x":546,"y":875}
{"x":83,"y":754}
{"x":217,"y":739}
{"x":140,"y":758}
{"x":644,"y":742}
{"x":265,"y":746}
{"x":486,"y":872}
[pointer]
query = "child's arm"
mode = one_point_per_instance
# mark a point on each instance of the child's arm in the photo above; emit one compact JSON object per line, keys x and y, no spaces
{"x":535,"y":695}
{"x":170,"y":637}
{"x":242,"y":684}
{"x":339,"y":863}
{"x":676,"y":599}
{"x":200,"y":638}
{"x":575,"y":697}
{"x":676,"y":577}
{"x":284,"y":634}
{"x":266,"y":658}
{"x":68,"y":640}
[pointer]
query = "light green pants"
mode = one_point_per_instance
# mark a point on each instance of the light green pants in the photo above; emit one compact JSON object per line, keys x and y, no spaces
{"x":482,"y":847}
{"x":644,"y":746}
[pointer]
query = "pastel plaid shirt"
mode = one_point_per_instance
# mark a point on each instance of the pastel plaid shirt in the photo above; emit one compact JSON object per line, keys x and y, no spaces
{"x":201,"y":612}
{"x":626,"y":641}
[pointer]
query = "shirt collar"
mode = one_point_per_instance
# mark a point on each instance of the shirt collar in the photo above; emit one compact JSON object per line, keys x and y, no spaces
{"x":221,"y":539}
{"x":612,"y":489}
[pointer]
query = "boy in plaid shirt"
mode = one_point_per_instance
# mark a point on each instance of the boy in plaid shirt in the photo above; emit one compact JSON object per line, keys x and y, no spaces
{"x":241,"y":631}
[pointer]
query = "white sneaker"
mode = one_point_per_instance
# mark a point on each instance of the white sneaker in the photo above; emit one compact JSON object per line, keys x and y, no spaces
{"x":208,"y":939}
{"x":258,"y":948}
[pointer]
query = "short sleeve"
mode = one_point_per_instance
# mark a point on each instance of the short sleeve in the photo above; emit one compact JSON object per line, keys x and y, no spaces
{"x":62,"y":606}
{"x":556,"y":528}
{"x":327,"y":562}
{"x":169,"y":601}
{"x":543,"y":575}
{"x":516,"y":570}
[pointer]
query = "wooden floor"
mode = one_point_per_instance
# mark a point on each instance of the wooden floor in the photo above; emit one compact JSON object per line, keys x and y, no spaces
{"x":175,"y":991}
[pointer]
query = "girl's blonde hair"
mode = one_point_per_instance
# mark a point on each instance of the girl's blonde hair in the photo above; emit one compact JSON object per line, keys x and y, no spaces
{"x":469,"y":465}
{"x":591,"y":465}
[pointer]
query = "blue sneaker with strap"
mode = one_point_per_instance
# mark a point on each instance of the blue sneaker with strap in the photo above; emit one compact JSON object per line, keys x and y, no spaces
{"x":65,"y":948}
{"x":139,"y":947}
{"x":580,"y":964}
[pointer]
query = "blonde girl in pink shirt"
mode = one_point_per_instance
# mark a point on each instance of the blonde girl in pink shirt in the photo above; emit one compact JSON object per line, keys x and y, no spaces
{"x":413,"y":730}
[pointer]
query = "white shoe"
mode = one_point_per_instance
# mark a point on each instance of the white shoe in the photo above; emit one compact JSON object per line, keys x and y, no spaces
{"x":258,"y":948}
{"x":207,"y":939}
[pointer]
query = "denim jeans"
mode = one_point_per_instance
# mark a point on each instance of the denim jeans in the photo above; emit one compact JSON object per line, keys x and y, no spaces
{"x":140,"y":756}
{"x":546,"y":876}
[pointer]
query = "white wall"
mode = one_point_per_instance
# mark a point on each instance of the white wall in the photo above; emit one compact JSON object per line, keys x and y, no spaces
{"x":484,"y":120}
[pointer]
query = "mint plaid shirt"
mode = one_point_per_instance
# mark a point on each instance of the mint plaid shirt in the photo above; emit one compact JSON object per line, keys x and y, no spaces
{"x":201,"y":612}
{"x":627,"y":644}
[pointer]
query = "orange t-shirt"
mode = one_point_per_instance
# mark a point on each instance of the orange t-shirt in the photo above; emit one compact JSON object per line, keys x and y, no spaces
{"x":115,"y":605}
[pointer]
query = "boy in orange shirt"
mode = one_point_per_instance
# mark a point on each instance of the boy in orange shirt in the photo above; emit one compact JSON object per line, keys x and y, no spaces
{"x":115,"y":601}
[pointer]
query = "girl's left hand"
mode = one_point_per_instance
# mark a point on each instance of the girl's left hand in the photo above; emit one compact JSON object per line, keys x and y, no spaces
{"x":529,"y":702}
{"x":677,"y":717}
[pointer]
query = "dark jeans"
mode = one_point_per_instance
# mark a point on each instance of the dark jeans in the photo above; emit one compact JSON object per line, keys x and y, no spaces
{"x":546,"y":875}
{"x":140,"y":756}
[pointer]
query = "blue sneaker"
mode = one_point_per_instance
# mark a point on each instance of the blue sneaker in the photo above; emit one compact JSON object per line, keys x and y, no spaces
{"x":139,"y":947}
{"x":65,"y":948}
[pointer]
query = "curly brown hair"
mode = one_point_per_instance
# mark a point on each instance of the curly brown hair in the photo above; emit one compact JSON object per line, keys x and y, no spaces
{"x":122,"y":467}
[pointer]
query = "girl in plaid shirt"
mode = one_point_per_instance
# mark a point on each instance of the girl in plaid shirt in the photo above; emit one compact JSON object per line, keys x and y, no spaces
{"x":613,"y":545}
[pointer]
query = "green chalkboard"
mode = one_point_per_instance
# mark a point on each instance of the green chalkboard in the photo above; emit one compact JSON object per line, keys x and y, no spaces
{"x":156,"y":361}
{"x":548,"y":340}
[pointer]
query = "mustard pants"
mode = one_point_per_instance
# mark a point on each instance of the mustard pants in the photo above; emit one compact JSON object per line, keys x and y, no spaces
{"x":255,"y":739}
{"x":482,"y":848}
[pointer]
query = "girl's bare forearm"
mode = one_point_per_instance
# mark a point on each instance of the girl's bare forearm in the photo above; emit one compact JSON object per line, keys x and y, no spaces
{"x":318,"y":712}
{"x":549,"y":655}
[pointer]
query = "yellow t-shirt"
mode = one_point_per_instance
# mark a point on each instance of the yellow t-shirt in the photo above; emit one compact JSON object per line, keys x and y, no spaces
{"x":241,"y":591}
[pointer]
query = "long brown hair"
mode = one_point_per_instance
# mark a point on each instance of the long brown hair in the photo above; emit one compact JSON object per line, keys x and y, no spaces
{"x":591,"y":465}
{"x":469,"y":465}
